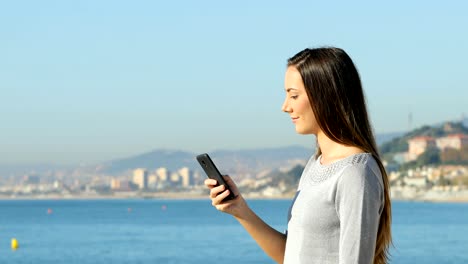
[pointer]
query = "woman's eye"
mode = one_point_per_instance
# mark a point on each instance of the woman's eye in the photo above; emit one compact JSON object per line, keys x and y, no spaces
{"x":294,"y":97}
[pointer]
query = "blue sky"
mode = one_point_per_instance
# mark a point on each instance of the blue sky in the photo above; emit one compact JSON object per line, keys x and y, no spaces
{"x":89,"y":81}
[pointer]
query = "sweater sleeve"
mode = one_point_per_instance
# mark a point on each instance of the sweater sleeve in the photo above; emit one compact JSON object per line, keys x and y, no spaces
{"x":359,"y":201}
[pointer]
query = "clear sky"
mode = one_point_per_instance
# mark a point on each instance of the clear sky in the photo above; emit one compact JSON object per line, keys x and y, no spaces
{"x":89,"y":81}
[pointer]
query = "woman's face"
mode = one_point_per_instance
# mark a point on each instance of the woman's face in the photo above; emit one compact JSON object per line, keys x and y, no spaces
{"x":297,"y":103}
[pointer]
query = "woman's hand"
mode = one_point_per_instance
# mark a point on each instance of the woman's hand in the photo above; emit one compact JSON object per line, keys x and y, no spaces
{"x":268,"y":238}
{"x":236,"y":207}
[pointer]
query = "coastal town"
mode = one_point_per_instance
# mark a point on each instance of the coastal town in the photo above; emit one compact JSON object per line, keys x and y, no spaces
{"x":430,"y":168}
{"x":433,"y":182}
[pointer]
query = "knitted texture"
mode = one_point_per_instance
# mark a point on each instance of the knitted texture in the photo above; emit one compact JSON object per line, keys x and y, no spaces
{"x":335,"y":215}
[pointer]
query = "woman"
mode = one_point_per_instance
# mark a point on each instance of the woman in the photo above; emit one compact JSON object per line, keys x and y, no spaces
{"x":342,"y":211}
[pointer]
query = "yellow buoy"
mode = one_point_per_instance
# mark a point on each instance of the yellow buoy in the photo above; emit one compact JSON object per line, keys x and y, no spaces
{"x":14,"y":243}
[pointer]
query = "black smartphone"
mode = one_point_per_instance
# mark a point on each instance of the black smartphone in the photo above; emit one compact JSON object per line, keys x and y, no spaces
{"x":213,"y":173}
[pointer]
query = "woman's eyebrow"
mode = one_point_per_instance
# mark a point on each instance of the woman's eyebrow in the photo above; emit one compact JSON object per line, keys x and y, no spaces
{"x":289,"y":89}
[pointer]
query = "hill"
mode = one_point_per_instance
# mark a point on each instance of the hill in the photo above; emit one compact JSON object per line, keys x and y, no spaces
{"x":250,"y":160}
{"x":243,"y":160}
{"x":432,"y":155}
{"x":400,"y":144}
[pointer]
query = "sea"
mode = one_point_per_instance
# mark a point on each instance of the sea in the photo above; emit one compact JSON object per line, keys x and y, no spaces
{"x":192,"y":231}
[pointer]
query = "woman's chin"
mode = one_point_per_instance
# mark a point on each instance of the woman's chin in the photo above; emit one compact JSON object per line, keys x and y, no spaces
{"x":303,"y":131}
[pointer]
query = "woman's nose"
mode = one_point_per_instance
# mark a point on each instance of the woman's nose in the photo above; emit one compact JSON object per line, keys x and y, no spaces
{"x":285,"y":107}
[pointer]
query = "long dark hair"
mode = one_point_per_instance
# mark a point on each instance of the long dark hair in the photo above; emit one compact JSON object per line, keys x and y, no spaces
{"x":337,"y":99}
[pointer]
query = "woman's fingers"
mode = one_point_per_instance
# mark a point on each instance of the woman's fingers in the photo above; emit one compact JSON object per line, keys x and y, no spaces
{"x":216,"y":190}
{"x":219,"y":198}
{"x":210,"y":183}
{"x":218,"y":194}
{"x":231,"y":184}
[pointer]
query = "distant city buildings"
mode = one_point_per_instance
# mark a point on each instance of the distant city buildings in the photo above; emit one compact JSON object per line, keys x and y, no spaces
{"x":140,"y":178}
{"x":162,"y":174}
{"x":159,"y":179}
{"x":186,"y":177}
{"x":418,"y":145}
{"x":120,"y":185}
{"x":30,"y":179}
{"x":424,"y":180}
{"x":455,"y":141}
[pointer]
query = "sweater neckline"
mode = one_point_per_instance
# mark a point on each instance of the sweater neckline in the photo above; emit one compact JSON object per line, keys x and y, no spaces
{"x":318,"y":172}
{"x":339,"y":161}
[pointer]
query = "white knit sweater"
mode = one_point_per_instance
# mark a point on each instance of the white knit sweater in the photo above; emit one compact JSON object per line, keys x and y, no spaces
{"x":335,"y":215}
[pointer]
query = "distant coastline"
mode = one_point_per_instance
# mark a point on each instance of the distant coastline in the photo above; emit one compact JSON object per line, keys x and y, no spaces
{"x":455,"y":197}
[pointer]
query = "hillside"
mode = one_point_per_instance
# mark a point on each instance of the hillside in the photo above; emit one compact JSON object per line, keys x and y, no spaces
{"x":250,"y":160}
{"x":229,"y":161}
{"x":391,"y":150}
{"x":400,"y":144}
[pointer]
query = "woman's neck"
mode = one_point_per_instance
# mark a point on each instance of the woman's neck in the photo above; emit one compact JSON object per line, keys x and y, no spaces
{"x":333,"y":151}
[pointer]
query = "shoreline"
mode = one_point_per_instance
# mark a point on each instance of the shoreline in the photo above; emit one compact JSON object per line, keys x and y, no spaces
{"x":185,"y":196}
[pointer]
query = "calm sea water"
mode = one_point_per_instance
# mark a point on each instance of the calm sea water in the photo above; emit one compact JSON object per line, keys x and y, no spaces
{"x":191,"y":231}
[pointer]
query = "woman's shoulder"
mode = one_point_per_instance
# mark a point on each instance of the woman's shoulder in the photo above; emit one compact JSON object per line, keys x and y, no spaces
{"x":362,"y":172}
